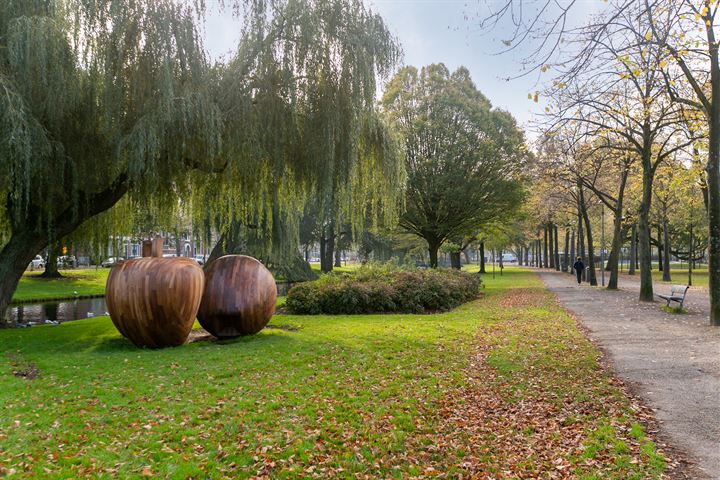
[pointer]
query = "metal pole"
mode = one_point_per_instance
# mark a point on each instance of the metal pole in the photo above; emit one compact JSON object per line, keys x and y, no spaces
{"x":602,"y":244}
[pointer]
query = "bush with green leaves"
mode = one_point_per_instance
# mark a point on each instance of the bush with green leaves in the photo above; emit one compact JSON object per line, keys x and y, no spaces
{"x":384,"y":289}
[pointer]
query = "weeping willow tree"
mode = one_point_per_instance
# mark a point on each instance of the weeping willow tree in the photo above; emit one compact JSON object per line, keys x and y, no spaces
{"x":105,"y":99}
{"x":303,"y":128}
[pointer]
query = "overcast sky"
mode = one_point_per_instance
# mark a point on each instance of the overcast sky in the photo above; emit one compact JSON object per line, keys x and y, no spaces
{"x":433,"y":31}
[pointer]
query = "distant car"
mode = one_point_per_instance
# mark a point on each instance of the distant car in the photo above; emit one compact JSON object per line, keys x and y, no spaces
{"x":169,"y":255}
{"x":67,"y":261}
{"x":200,"y":259}
{"x":37,"y":263}
{"x":109,"y":262}
{"x":509,"y":258}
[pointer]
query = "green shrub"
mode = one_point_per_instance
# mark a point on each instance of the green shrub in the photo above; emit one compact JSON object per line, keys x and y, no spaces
{"x":384,"y":289}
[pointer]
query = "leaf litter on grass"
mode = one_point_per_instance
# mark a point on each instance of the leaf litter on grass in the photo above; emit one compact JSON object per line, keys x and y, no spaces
{"x":537,"y":403}
{"x":504,"y":387}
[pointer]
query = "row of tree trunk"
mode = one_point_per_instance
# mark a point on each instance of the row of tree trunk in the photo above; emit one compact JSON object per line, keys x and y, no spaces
{"x":546,"y":254}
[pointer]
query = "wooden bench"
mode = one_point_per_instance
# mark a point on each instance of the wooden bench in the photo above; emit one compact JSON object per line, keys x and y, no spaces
{"x":677,"y":294}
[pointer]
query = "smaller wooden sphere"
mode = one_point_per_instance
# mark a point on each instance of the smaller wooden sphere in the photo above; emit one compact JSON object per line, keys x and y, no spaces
{"x":239,"y":298}
{"x":153,"y":301}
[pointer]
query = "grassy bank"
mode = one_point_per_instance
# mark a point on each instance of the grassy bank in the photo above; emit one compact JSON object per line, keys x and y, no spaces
{"x":680,"y":277}
{"x":325,"y":397}
{"x":80,"y":282}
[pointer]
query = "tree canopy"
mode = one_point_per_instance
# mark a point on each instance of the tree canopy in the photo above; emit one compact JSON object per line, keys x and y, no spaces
{"x":463,"y":158}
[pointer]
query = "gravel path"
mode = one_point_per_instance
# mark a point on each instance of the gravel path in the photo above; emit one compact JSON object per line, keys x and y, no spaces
{"x":672,"y":361}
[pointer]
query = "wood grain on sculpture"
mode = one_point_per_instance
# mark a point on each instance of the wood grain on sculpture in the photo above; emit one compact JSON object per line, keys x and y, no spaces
{"x":240,"y":297}
{"x":153,"y":301}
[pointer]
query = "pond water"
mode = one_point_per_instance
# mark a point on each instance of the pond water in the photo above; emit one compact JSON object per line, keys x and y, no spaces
{"x":56,"y":312}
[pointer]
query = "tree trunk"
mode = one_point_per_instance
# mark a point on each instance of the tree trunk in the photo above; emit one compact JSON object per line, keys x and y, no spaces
{"x":51,"y":264}
{"x":323,"y":248}
{"x":338,"y":258}
{"x":327,"y":248}
{"x":566,"y":251}
{"x":229,"y":243}
{"x":455,"y":260}
{"x":545,"y":262}
{"x":581,"y":239}
{"x":633,"y":250}
{"x":691,"y":257}
{"x":551,"y":246}
{"x":666,"y":252}
{"x":539,"y":253}
{"x":713,"y":185}
{"x":661,"y":249}
{"x":533,"y":253}
{"x":613,"y":260}
{"x":557,"y":248}
{"x":646,"y":286}
{"x":527,"y":256}
{"x":178,"y":244}
{"x":433,"y":247}
{"x":617,"y":232}
{"x":588,"y":234}
{"x":572,"y":252}
{"x":15,"y":256}
{"x":482,"y":257}
{"x":23,"y":245}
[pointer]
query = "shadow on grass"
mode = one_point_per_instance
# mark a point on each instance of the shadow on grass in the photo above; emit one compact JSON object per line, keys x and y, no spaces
{"x":118,"y":344}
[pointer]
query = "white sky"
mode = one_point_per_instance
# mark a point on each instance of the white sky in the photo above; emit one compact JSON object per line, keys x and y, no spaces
{"x":433,"y":31}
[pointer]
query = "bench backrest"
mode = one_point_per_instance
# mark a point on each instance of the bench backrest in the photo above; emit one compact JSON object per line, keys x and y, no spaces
{"x":679,"y":289}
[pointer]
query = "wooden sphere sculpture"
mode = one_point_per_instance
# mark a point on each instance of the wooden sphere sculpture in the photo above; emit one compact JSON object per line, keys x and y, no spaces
{"x":239,"y":299}
{"x":153,"y":301}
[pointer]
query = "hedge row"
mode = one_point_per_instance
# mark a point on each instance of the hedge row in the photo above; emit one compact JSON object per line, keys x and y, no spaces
{"x":383,"y":290}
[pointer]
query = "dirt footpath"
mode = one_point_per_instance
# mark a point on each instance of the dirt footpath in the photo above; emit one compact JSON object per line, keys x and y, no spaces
{"x":672,"y":361}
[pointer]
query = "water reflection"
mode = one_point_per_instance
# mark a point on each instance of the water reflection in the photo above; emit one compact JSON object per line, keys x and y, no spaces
{"x":56,"y":312}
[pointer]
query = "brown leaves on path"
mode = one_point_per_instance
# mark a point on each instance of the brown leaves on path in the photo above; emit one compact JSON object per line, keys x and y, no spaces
{"x":538,"y":404}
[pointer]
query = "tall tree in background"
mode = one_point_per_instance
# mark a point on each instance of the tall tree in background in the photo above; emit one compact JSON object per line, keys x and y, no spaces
{"x":463,"y":159}
{"x":686,"y":31}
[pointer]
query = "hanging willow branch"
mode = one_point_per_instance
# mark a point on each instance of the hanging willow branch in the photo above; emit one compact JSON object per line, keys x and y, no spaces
{"x":91,"y":90}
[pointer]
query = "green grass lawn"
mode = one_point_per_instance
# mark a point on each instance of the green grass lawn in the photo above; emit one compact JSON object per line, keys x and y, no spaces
{"x":80,"y":282}
{"x":680,"y":277}
{"x":344,"y":269}
{"x":326,"y":397}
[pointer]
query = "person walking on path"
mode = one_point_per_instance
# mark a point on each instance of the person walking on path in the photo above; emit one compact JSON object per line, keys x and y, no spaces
{"x":579,"y":266}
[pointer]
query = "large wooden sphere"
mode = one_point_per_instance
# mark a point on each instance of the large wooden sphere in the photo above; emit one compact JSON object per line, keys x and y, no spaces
{"x":153,"y":301}
{"x":240,"y":296}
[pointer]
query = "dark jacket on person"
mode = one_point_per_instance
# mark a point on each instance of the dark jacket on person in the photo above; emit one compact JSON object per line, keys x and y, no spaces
{"x":579,"y":266}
